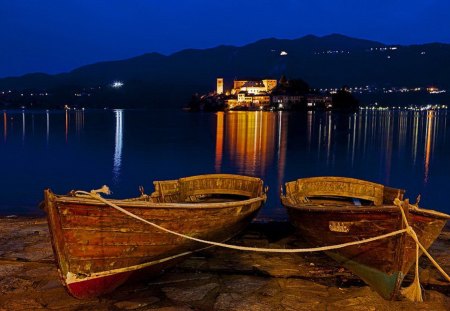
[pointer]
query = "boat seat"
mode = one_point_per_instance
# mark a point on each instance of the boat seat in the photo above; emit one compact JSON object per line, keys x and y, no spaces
{"x":219,"y":184}
{"x":166,"y":191}
{"x":336,"y":186}
{"x":190,"y":189}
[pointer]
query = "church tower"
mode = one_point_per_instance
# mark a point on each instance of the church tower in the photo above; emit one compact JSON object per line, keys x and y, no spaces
{"x":219,"y":85}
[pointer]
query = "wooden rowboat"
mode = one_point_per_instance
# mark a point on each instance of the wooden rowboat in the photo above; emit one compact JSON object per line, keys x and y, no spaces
{"x":98,"y":248}
{"x":334,"y":210}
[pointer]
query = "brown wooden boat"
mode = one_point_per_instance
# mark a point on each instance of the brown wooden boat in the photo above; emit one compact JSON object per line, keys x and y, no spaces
{"x":97,"y":248}
{"x":334,"y":210}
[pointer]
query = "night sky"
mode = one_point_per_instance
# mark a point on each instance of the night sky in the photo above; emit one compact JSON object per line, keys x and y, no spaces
{"x":56,"y":36}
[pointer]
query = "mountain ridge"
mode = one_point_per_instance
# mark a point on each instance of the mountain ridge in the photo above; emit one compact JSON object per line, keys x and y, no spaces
{"x":327,"y":61}
{"x":326,"y":37}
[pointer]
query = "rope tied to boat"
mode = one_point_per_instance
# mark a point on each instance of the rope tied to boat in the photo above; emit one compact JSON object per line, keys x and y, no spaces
{"x":95,"y":194}
{"x":413,"y":292}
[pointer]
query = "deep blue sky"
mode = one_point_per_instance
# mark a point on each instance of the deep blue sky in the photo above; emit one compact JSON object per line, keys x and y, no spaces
{"x":59,"y":35}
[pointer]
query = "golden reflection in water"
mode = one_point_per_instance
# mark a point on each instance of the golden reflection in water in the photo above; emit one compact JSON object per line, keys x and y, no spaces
{"x":428,"y":143}
{"x":329,"y":125}
{"x":219,"y":141}
{"x":309,"y":121}
{"x":282,"y":145}
{"x":348,"y":133}
{"x":248,"y":139}
{"x":365,"y":134}
{"x":354,"y":139}
{"x":402,"y":128}
{"x":415,"y":136}
{"x":388,"y":144}
{"x":320,"y":138}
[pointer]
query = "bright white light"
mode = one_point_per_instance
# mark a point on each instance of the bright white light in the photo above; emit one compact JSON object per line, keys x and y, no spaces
{"x":117,"y":84}
{"x":283,"y":53}
{"x":118,"y":144}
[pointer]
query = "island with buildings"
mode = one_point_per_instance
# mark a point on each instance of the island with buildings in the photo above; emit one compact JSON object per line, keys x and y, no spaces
{"x":271,"y":94}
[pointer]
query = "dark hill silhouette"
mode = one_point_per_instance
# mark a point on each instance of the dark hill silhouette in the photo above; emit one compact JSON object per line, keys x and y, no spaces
{"x":330,"y":61}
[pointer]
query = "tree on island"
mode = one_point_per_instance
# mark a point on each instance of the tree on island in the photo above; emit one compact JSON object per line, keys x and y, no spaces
{"x":294,"y":88}
{"x":343,"y":100}
{"x":291,"y":86}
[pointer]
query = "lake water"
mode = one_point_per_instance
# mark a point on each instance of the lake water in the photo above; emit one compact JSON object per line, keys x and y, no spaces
{"x":125,"y":149}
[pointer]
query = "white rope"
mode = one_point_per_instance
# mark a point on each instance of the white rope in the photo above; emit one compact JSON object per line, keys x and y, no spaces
{"x":95,"y":194}
{"x":412,"y":293}
{"x":410,"y":231}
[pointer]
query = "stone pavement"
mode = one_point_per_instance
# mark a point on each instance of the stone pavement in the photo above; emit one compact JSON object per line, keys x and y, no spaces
{"x":217,"y":279}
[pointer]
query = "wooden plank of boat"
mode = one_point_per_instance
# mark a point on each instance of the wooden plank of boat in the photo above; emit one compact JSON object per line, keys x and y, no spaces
{"x":335,"y":210}
{"x":98,"y":248}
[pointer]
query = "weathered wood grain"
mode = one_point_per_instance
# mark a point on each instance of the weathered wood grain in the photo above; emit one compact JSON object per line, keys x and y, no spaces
{"x":322,"y":210}
{"x":92,"y":240}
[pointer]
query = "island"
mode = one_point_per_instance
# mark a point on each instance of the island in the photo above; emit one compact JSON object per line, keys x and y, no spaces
{"x":271,"y":94}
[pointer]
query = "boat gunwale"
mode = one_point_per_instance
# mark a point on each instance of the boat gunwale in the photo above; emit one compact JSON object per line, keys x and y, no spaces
{"x":158,"y":205}
{"x":362,"y":209}
{"x":298,"y":207}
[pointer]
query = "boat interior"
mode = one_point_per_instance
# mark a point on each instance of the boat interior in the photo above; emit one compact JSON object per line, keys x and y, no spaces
{"x":340,"y":191}
{"x":213,"y":188}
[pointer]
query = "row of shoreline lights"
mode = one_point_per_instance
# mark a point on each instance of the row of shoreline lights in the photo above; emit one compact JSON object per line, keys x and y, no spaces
{"x":115,"y":84}
{"x":413,"y":108}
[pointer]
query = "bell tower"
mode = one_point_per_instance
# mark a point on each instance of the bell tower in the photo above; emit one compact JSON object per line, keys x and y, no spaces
{"x":219,"y":85}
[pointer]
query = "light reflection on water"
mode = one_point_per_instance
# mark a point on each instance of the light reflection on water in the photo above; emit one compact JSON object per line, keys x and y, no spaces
{"x":384,"y":147}
{"x":253,"y":139}
{"x":123,"y":148}
{"x":118,"y":144}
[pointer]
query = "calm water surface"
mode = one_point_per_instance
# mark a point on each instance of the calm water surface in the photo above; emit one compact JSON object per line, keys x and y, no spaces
{"x":124,"y":149}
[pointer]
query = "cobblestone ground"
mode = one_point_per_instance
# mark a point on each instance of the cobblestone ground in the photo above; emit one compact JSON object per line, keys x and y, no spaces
{"x":217,"y":279}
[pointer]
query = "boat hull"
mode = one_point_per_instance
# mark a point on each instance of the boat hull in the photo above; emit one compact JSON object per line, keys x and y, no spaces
{"x":98,"y":248}
{"x":383,"y":263}
{"x":98,"y":286}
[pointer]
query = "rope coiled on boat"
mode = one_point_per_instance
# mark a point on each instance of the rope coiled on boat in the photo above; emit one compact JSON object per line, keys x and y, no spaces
{"x":413,"y":292}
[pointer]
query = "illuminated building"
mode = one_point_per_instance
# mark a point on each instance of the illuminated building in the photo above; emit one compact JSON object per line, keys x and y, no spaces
{"x":219,"y":85}
{"x":253,"y":86}
{"x":257,"y":94}
{"x":251,"y":93}
{"x":253,"y":100}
